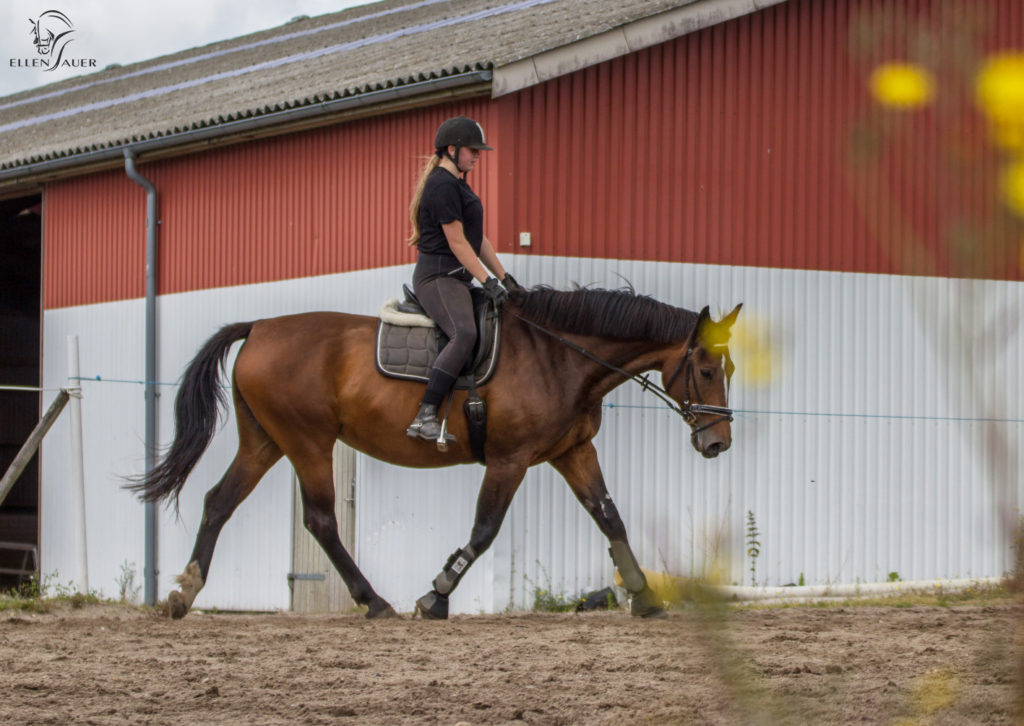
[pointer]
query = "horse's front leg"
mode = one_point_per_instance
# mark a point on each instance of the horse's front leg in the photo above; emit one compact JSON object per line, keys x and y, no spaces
{"x":581,"y":469}
{"x":500,"y":484}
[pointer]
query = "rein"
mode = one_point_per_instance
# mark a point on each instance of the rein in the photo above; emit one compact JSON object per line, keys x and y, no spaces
{"x":688,"y":411}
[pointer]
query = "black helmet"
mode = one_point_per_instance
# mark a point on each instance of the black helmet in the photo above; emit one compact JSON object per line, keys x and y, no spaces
{"x":460,"y":131}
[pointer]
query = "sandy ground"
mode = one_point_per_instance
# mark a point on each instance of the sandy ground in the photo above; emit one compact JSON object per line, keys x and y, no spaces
{"x":116,"y":665}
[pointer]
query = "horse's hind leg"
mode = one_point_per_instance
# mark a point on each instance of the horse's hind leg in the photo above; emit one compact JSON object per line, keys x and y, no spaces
{"x":256,"y":454}
{"x":316,"y":477}
{"x":252,"y":461}
{"x":582,"y":471}
{"x":500,"y":484}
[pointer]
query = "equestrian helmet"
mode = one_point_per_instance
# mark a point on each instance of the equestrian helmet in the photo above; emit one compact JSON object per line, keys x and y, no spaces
{"x":460,"y":131}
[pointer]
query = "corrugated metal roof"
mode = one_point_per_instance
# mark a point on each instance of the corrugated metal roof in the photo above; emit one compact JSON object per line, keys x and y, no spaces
{"x":303,"y":63}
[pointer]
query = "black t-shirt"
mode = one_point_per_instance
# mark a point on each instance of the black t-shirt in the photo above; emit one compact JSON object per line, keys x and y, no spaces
{"x":447,"y":198}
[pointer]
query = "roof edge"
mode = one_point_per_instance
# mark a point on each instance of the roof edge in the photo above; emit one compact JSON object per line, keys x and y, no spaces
{"x":162,"y":145}
{"x":625,"y":39}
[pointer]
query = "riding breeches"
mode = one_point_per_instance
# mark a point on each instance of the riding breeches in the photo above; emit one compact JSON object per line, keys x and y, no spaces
{"x":448,"y":302}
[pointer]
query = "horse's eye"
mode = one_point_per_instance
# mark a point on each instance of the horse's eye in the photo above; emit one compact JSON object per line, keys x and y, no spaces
{"x":707,"y":373}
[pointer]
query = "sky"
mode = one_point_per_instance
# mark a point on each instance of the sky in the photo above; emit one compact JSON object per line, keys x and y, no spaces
{"x":119,"y":31}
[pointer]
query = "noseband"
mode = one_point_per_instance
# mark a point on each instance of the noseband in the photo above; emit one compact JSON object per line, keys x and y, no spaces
{"x":688,"y":410}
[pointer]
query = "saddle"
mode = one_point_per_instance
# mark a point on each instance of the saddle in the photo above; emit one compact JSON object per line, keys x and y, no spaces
{"x":408,"y":343}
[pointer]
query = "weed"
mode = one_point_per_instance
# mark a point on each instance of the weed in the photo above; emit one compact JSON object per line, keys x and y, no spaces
{"x":35,"y":596}
{"x":127,"y":587}
{"x":545,"y":600}
{"x":894,"y":577}
{"x":30,"y":589}
{"x":14,"y":601}
{"x":753,"y":546}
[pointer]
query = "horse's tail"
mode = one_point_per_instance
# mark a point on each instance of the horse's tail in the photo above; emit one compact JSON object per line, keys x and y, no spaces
{"x":195,"y":417}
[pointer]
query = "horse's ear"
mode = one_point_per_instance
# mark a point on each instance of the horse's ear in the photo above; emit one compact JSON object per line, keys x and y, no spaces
{"x":703,"y":318}
{"x":706,"y":328}
{"x":712,"y":334}
{"x":730,"y":319}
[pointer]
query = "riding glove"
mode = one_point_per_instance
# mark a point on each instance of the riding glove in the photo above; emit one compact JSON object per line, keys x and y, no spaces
{"x":495,"y":292}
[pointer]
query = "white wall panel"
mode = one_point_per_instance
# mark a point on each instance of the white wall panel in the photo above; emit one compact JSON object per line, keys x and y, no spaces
{"x":860,"y":457}
{"x":856,"y":460}
{"x":409,"y":521}
{"x":253,"y":553}
{"x":109,"y":336}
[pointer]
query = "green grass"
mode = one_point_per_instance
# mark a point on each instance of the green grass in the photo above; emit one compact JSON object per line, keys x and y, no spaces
{"x":38,"y":604}
{"x":980,"y":596}
{"x":30,"y":605}
{"x":31,"y":597}
{"x":545,"y":601}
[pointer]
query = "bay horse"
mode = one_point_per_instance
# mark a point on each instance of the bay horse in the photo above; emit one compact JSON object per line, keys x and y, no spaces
{"x":302,"y":381}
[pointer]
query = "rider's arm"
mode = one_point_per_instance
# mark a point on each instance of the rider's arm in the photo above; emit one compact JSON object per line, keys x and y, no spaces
{"x":463,"y":251}
{"x":490,"y":258}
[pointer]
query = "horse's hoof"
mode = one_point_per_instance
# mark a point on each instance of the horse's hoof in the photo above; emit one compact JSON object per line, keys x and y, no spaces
{"x":645,"y":604}
{"x":433,"y":606}
{"x":380,"y":609}
{"x":176,"y":605}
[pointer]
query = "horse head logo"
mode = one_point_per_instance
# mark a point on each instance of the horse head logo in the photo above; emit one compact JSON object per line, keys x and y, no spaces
{"x":50,"y":34}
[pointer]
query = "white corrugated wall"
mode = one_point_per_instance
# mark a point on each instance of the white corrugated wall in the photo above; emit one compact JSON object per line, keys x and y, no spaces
{"x":251,"y":561}
{"x":861,"y":456}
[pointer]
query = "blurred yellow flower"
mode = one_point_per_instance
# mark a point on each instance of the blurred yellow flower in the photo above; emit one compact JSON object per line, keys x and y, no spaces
{"x":902,"y":85}
{"x":1012,"y":184}
{"x":934,"y":691}
{"x":756,"y":358}
{"x":1009,"y":136}
{"x":1000,"y":90}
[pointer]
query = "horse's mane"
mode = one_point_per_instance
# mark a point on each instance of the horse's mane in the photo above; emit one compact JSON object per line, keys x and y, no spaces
{"x":607,"y":313}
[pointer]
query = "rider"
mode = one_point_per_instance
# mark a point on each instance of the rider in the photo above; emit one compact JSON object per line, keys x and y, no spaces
{"x":448,"y":229}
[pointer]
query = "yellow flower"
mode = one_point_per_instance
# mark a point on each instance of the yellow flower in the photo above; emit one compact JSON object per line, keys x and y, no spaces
{"x":902,"y":85}
{"x":751,"y":346}
{"x":1009,"y":136}
{"x":934,"y":691}
{"x":1012,"y":185}
{"x":1000,"y":89}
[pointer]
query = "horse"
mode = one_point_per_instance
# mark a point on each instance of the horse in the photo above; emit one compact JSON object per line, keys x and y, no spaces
{"x":302,"y":381}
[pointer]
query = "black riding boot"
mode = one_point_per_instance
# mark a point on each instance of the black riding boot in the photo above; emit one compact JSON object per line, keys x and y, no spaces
{"x":425,"y":425}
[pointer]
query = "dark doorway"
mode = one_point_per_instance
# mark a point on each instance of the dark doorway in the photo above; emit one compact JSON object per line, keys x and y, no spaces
{"x":20,"y":345}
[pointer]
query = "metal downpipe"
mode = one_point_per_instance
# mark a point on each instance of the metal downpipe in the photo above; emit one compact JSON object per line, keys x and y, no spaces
{"x":149,"y":571}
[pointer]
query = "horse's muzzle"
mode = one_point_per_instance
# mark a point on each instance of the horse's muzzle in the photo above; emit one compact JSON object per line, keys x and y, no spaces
{"x":710,"y":442}
{"x":713,"y":449}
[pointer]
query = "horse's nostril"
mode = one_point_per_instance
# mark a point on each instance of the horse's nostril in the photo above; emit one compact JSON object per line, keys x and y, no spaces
{"x":716,"y":448}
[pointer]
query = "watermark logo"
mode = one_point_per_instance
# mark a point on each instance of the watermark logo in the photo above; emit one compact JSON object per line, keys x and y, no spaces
{"x":51,"y":33}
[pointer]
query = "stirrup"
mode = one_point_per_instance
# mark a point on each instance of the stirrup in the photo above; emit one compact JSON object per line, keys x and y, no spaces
{"x":444,"y":438}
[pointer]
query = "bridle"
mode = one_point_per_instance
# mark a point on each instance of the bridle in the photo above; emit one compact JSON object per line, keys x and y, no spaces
{"x":689,"y":410}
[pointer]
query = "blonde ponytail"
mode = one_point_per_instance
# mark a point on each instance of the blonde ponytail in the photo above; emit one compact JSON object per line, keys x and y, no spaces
{"x":417,"y":195}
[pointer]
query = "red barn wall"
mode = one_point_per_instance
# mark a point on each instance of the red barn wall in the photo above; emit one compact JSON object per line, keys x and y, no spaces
{"x":726,"y":146}
{"x":319,"y":202}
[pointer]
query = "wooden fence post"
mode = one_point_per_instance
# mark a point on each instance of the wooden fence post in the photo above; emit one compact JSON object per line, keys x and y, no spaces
{"x":30,"y":446}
